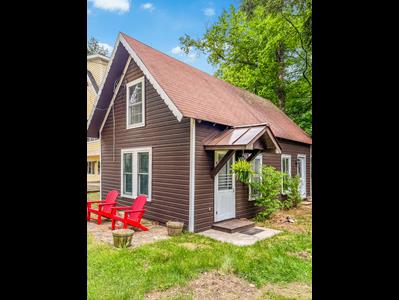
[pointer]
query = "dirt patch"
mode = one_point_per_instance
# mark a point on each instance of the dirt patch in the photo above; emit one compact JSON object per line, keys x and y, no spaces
{"x":302,"y":254}
{"x":302,"y":216}
{"x":193,"y":246}
{"x":211,"y":285}
{"x":103,"y":233}
{"x":294,"y":290}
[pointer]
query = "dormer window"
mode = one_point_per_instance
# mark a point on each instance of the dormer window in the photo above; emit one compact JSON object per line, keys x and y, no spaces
{"x":135,"y":103}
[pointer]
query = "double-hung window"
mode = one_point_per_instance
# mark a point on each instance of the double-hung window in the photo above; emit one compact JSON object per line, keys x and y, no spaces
{"x":90,"y":167}
{"x":286,"y":169}
{"x":136,"y":172}
{"x":256,"y":164}
{"x":135,"y":103}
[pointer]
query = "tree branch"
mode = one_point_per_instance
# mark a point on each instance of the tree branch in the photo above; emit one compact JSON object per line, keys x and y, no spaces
{"x":302,"y":46}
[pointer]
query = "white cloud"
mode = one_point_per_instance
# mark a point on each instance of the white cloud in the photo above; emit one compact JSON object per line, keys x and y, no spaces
{"x":191,"y":56}
{"x":177,"y":50}
{"x":89,"y":12}
{"x":148,"y":6}
{"x":120,"y":6}
{"x":209,"y":11}
{"x":106,"y":46}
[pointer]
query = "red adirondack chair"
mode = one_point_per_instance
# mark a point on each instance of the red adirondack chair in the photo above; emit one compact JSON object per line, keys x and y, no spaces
{"x":104,"y":207}
{"x":132,"y":214}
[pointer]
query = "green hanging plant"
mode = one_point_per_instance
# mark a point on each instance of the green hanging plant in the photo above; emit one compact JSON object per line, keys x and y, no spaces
{"x":243,"y":170}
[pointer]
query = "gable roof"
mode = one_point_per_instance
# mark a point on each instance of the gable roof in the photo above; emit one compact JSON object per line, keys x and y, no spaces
{"x":192,"y":93}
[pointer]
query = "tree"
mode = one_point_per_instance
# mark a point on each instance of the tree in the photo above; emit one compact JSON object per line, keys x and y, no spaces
{"x":265,"y":48}
{"x":93,"y":47}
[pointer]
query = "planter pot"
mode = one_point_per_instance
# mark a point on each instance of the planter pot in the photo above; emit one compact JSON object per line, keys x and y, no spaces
{"x":122,"y":238}
{"x":174,"y":228}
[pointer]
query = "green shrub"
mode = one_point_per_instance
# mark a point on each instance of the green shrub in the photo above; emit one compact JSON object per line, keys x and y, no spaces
{"x":268,"y":188}
{"x":293,"y":193}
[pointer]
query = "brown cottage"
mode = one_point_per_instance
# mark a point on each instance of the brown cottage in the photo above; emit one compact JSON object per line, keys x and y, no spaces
{"x":171,"y":132}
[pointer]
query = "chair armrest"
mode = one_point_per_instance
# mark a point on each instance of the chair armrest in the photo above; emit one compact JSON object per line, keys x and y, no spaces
{"x":115,"y":208}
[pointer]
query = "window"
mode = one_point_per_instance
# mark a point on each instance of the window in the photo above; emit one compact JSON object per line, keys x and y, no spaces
{"x":225,"y":175}
{"x":90,"y":167}
{"x":286,"y":169}
{"x":135,"y":104}
{"x":136,"y":172}
{"x":256,"y":164}
{"x":98,"y":167}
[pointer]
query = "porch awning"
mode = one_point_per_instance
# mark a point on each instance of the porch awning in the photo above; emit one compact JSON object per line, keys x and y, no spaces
{"x":250,"y":137}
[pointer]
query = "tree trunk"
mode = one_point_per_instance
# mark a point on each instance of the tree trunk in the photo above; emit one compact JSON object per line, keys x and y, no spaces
{"x":281,"y":68}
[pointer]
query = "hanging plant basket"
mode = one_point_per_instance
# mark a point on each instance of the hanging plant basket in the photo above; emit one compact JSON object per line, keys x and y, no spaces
{"x":174,"y":227}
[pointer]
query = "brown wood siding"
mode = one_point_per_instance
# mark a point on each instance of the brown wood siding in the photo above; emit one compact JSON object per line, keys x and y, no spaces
{"x":170,"y":142}
{"x":204,"y":189}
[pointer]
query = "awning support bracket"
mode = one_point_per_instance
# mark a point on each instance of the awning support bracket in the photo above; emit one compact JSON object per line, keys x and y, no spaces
{"x":222,"y":162}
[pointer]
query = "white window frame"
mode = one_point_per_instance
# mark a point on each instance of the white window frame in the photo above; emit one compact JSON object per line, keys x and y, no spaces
{"x":304,"y":157}
{"x":283,"y":156}
{"x":128,"y":85}
{"x":260,"y":157}
{"x":134,"y":152}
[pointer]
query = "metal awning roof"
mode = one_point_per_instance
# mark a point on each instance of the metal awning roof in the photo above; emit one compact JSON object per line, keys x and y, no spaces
{"x":250,"y":137}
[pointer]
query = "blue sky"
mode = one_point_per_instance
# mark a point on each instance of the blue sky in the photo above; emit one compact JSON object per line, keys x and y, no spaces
{"x":155,"y":23}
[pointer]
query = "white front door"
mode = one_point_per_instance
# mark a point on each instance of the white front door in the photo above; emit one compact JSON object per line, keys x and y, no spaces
{"x":225,"y":200}
{"x":301,"y":171}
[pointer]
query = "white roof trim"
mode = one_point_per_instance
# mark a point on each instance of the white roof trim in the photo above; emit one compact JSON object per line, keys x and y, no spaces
{"x":151,"y":79}
{"x":94,"y":56}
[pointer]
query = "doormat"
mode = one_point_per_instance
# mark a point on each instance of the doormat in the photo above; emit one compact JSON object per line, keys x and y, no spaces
{"x":251,"y":231}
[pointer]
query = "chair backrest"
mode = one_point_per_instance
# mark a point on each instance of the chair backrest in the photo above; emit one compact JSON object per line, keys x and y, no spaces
{"x":111,"y":197}
{"x":138,"y":205}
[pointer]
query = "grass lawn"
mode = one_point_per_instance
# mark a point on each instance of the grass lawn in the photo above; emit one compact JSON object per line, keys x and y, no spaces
{"x":130,"y":273}
{"x":93,"y":196}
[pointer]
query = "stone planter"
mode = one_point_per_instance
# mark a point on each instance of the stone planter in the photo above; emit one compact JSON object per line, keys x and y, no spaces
{"x":174,"y":228}
{"x":122,"y":238}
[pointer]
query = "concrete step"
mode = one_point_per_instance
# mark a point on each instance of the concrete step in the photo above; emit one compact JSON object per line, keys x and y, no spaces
{"x":233,"y":225}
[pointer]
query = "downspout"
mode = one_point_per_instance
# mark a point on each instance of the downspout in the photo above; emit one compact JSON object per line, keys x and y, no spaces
{"x":192,"y":177}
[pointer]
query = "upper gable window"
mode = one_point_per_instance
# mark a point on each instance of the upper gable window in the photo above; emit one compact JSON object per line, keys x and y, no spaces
{"x":135,"y":103}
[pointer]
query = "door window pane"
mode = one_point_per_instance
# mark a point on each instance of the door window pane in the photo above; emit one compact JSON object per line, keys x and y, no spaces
{"x":127,"y":174}
{"x":143,"y":162}
{"x":225,"y":175}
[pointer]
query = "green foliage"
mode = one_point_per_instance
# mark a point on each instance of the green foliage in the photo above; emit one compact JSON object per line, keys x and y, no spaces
{"x":243,"y":170}
{"x":268,"y":187}
{"x":293,"y":192}
{"x":265,"y":47}
{"x":93,"y":47}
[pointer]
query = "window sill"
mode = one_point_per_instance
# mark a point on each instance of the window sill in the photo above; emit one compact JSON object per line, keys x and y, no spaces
{"x":135,"y":126}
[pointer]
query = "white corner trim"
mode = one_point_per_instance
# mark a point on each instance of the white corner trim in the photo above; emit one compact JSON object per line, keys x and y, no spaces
{"x":103,"y":80}
{"x":115,"y":93}
{"x":151,"y":79}
{"x":101,"y":170}
{"x":192,"y":177}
